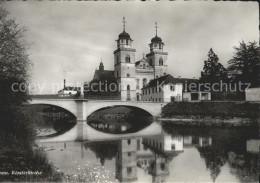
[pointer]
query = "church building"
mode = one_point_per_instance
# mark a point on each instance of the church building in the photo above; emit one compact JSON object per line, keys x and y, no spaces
{"x":132,"y":75}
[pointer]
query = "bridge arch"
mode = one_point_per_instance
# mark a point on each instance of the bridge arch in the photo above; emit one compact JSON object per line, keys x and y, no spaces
{"x":68,"y":105}
{"x":111,"y":106}
{"x":68,"y":111}
{"x":153,"y":110}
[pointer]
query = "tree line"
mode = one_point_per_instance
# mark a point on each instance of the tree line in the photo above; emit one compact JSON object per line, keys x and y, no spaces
{"x":243,"y":68}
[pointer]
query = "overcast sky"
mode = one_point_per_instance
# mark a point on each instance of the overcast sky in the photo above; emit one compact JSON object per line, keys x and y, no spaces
{"x":68,"y":39}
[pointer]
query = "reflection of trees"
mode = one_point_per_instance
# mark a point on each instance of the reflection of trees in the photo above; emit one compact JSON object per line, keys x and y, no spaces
{"x":244,"y":166}
{"x":227,"y":132}
{"x":214,"y":157}
{"x":103,"y":149}
{"x":224,"y":140}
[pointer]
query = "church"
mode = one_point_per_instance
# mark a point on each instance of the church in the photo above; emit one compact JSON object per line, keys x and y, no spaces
{"x":137,"y":80}
{"x":131,"y":74}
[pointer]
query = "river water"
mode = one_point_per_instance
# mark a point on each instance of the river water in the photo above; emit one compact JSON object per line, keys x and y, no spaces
{"x":172,"y":154}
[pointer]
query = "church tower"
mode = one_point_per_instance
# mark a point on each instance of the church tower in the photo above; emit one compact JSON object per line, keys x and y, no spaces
{"x":124,"y":65}
{"x":157,"y":58}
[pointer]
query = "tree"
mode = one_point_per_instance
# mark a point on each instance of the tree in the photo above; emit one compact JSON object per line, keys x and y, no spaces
{"x":17,"y":123}
{"x":14,"y":62}
{"x":213,"y":71}
{"x":245,"y":64}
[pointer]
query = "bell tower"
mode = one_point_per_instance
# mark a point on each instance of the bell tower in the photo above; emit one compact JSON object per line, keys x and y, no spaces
{"x":124,"y":65}
{"x":157,"y":58}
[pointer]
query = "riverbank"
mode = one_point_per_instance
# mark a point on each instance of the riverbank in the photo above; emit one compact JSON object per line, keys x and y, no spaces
{"x":211,"y":113}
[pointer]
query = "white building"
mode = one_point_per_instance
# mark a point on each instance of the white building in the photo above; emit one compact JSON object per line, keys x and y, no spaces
{"x":69,"y":90}
{"x":253,"y":94}
{"x":165,"y":142}
{"x":167,"y":89}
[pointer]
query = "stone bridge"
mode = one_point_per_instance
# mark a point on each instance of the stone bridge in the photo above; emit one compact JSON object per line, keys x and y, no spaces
{"x":82,"y":108}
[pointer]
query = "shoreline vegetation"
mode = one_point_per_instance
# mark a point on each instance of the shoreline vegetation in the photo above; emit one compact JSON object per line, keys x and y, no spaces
{"x":222,"y":114}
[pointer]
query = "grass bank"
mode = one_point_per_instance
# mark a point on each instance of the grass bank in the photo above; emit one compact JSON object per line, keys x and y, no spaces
{"x":211,"y":113}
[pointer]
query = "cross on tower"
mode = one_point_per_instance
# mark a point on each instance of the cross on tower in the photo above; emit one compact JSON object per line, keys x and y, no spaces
{"x":124,"y":23}
{"x":156,"y":27}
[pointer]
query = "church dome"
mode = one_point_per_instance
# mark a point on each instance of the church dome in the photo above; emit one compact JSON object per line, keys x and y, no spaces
{"x":156,"y":39}
{"x":124,"y":35}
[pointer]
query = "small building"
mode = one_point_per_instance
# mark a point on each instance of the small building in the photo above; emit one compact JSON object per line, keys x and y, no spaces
{"x":168,"y":89}
{"x":163,"y":89}
{"x":253,"y":94}
{"x":69,"y":90}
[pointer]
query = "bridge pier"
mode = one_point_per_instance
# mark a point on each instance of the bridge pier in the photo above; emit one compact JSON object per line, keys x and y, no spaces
{"x":80,"y":130}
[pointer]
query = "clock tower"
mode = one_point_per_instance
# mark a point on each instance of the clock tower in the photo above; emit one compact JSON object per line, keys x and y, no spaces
{"x":157,"y":58}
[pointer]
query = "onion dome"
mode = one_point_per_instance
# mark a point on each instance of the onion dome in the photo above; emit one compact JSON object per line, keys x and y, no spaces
{"x":156,"y":39}
{"x":124,"y":35}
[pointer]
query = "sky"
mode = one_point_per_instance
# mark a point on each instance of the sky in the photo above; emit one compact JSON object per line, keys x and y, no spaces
{"x":68,"y":39}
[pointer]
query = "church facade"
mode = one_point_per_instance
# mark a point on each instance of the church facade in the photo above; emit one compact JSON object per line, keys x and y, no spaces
{"x":131,"y":74}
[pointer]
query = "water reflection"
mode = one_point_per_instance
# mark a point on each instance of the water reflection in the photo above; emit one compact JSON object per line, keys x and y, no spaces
{"x":179,"y":155}
{"x":119,"y":120}
{"x":54,"y":120}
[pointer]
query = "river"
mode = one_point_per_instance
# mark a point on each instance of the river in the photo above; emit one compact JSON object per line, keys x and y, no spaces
{"x":171,"y":154}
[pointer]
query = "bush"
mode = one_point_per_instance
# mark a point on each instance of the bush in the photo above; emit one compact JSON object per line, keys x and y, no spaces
{"x":212,"y":109}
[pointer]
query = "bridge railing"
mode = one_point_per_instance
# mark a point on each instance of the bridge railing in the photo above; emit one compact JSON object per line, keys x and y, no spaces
{"x":55,"y":96}
{"x":91,"y":97}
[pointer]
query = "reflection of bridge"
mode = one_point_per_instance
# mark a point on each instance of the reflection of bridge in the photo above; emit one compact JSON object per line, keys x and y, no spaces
{"x":82,"y":108}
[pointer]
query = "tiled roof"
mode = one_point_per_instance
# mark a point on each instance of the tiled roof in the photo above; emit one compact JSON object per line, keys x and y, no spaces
{"x":104,"y":75}
{"x":169,"y":79}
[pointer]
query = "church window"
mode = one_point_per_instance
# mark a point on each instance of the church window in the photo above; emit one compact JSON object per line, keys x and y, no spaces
{"x":129,"y":170}
{"x":117,"y":59}
{"x":144,"y":82}
{"x":137,"y":83}
{"x":122,"y":40}
{"x":127,"y":42}
{"x":127,"y":59}
{"x":171,"y":87}
{"x":151,"y":62}
{"x":128,"y":75}
{"x":128,"y":87}
{"x":144,"y":66}
{"x":161,"y":61}
{"x":128,"y":140}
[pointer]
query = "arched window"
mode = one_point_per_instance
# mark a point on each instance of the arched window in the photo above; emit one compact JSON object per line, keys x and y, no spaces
{"x":144,"y":66}
{"x":128,"y":92}
{"x":151,"y":62}
{"x":127,"y":59}
{"x":144,"y":82}
{"x":117,"y":59}
{"x":128,"y":75}
{"x":161,"y":61}
{"x":137,"y":83}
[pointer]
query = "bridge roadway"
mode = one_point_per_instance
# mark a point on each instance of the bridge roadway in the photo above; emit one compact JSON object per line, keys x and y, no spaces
{"x":82,"y":108}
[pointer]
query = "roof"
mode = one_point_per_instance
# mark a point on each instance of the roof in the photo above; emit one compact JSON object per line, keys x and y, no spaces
{"x":142,"y":60}
{"x":169,"y":79}
{"x":124,"y":35}
{"x":156,"y":39}
{"x":104,"y":74}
